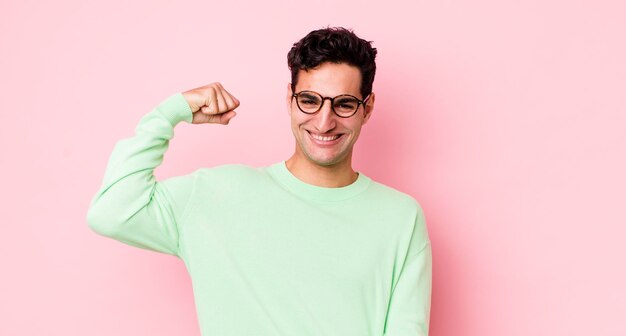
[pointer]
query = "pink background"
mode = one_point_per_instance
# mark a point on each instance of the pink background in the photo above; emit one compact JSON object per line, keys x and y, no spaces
{"x":505,"y":119}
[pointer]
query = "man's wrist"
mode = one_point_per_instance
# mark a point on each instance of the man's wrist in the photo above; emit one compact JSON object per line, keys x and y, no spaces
{"x":176,"y":109}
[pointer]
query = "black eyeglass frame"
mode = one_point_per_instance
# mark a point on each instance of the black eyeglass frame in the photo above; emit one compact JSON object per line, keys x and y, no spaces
{"x":332,"y":102}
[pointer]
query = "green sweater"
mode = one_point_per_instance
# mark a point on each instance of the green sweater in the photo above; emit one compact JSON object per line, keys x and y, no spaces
{"x":267,"y":253}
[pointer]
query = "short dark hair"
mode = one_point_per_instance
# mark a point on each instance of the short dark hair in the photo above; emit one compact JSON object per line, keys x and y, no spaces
{"x":337,"y":45}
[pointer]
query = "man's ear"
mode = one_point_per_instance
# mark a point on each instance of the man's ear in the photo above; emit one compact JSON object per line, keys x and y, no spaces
{"x":369,"y":108}
{"x":288,"y":98}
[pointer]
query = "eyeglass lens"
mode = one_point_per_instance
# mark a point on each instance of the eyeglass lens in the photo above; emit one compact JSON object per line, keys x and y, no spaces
{"x":310,"y":102}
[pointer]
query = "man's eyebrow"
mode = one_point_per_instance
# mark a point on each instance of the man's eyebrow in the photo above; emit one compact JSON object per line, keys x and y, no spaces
{"x":309,"y":95}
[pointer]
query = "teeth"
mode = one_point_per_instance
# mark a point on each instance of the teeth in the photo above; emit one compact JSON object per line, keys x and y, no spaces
{"x":323,"y":138}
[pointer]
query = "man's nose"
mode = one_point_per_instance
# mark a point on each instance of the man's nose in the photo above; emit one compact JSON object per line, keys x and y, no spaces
{"x":325,"y":117}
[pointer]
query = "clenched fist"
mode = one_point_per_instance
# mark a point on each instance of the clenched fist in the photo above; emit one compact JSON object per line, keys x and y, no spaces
{"x":211,"y":104}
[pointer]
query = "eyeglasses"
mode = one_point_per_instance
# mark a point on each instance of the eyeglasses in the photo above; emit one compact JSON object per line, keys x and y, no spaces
{"x":345,"y":105}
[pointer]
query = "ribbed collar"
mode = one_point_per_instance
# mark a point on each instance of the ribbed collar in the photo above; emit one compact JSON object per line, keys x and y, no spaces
{"x":305,"y":190}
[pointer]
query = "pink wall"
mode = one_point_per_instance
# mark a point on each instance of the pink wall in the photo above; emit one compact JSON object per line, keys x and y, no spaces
{"x":505,"y":119}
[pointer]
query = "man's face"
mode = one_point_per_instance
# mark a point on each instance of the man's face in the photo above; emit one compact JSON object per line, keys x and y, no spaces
{"x":324,"y":138}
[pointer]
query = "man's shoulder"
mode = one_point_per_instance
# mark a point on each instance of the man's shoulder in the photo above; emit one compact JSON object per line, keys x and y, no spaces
{"x":225,"y":170}
{"x":228,"y":178}
{"x":390,"y":196}
{"x":400,"y":210}
{"x":231,"y":173}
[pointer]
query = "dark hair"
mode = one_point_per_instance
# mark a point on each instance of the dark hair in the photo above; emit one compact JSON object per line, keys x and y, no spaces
{"x":337,"y":45}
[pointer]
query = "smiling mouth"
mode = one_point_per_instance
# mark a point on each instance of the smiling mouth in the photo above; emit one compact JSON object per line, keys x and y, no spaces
{"x":329,"y":139}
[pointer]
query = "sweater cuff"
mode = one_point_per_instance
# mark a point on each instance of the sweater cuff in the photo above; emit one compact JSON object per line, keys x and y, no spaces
{"x":176,"y":109}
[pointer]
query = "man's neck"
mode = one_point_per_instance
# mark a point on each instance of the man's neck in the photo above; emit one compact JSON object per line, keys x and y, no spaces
{"x":334,"y":176}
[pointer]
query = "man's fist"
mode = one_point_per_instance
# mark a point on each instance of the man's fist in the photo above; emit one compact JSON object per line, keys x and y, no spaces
{"x":211,"y":104}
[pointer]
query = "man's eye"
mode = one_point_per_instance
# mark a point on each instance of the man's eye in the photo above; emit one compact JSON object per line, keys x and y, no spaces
{"x":308,"y":102}
{"x":346,"y":104}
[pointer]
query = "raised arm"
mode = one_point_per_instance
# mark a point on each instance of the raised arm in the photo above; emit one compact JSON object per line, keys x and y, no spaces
{"x":131,"y":206}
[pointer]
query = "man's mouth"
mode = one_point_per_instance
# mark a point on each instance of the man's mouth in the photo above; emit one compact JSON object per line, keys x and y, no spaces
{"x":325,"y":139}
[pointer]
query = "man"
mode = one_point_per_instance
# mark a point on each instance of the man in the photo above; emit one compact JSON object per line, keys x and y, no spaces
{"x":306,"y":246}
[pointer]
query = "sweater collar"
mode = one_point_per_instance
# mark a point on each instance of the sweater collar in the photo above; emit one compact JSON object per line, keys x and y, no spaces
{"x":305,"y":190}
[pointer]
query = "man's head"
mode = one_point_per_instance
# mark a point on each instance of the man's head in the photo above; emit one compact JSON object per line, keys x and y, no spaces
{"x":328,"y":63}
{"x":336,"y":45}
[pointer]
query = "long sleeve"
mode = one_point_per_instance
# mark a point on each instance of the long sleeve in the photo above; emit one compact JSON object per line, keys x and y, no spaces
{"x":131,"y":206}
{"x":409,"y":310}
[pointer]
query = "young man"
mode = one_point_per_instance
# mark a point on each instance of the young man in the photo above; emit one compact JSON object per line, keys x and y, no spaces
{"x":306,"y":246}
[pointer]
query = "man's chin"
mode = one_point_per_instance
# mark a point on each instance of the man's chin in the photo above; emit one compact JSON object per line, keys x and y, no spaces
{"x":316,"y":156}
{"x":324,"y":162}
